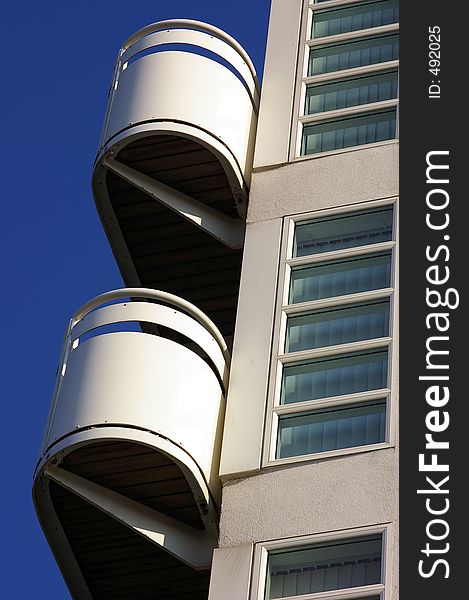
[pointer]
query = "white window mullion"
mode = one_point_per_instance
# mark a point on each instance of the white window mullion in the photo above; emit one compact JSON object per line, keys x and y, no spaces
{"x":390,"y":65}
{"x":315,"y":6}
{"x":304,"y":307}
{"x":370,"y":591}
{"x":343,"y":113}
{"x":352,"y":35}
{"x":346,"y":545}
{"x":312,"y":405}
{"x":330,"y":351}
{"x":338,"y":254}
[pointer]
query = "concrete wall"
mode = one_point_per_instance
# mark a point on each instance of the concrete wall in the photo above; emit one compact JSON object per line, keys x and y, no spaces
{"x":347,"y":177}
{"x":323,"y":495}
{"x":305,"y":186}
{"x":316,"y":497}
{"x":320,"y":495}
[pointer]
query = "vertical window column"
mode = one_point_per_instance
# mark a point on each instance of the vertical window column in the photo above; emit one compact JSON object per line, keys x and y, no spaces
{"x":349,"y":85}
{"x":332,"y":368}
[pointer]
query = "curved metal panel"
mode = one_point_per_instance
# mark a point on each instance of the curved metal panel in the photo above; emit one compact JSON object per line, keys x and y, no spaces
{"x":237,"y":179}
{"x":218,"y":97}
{"x":193,"y":25}
{"x":196,"y":38}
{"x":141,"y":518}
{"x":204,"y":495}
{"x":57,"y":539}
{"x":142,"y":381}
{"x":155,"y":296}
{"x":158,"y":315}
{"x":185,"y":87}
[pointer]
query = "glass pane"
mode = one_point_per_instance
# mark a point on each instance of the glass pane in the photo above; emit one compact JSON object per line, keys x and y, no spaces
{"x":347,"y":55}
{"x":346,"y":231}
{"x":336,"y":326}
{"x":350,"y":92}
{"x":326,"y":377}
{"x":338,"y":278}
{"x":331,"y":429}
{"x":345,"y":133}
{"x":325,"y":566}
{"x":354,"y":17}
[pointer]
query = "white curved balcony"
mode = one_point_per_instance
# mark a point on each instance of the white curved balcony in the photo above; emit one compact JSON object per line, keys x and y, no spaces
{"x":190,"y":80}
{"x":134,"y":435}
{"x":172,"y":174}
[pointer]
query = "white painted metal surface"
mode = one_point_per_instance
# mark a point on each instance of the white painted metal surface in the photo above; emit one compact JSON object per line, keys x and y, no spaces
{"x":142,"y":380}
{"x":278,"y":87}
{"x":192,"y":547}
{"x":203,"y":494}
{"x":226,"y":229}
{"x":208,"y":83}
{"x":251,"y":352}
{"x":231,"y":573}
{"x":116,"y":384}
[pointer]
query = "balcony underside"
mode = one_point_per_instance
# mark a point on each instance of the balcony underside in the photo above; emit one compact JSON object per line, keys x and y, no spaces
{"x":114,"y":561}
{"x":158,"y":248}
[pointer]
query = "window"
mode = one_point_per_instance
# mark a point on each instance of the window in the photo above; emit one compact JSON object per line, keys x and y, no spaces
{"x":333,"y":326}
{"x":350,"y":55}
{"x":334,"y":376}
{"x":352,"y":91}
{"x":341,"y":231}
{"x":340,"y":278}
{"x":331,"y":371}
{"x":353,"y":131}
{"x":332,"y":429}
{"x":353,"y":17}
{"x":349,"y":84}
{"x":341,"y":565}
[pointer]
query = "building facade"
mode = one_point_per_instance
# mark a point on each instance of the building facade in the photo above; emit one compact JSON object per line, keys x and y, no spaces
{"x":226,"y":427}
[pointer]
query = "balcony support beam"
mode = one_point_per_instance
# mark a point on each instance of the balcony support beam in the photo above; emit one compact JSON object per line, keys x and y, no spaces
{"x":225,"y":229}
{"x":187,"y":544}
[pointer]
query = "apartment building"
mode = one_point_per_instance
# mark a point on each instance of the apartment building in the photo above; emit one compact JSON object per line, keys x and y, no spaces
{"x":225,"y":428}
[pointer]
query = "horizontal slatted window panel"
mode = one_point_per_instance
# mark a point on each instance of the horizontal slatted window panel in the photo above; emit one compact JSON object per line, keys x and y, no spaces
{"x":332,"y":429}
{"x":340,"y":277}
{"x":324,"y":567}
{"x":349,"y":55}
{"x":362,"y":15}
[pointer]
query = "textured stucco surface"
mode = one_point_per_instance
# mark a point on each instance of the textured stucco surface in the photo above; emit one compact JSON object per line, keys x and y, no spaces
{"x":315,"y":497}
{"x":325,"y":182}
{"x":323,"y":495}
{"x":347,"y":491}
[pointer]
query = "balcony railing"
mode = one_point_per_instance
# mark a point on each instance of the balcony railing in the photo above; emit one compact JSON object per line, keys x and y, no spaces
{"x":135,"y":429}
{"x":167,"y":375}
{"x":186,"y":78}
{"x":172,"y":175}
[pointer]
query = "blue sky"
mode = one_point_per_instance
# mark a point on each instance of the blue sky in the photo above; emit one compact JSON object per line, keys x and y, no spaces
{"x":56,"y":68}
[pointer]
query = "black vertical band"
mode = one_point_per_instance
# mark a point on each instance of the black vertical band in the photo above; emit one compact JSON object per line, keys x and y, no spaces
{"x":434,"y":263}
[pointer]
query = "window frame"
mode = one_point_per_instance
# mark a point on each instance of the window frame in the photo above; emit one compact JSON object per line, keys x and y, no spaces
{"x":381,"y":590}
{"x":283,"y":309}
{"x":309,"y":117}
{"x":353,"y":4}
{"x":347,"y":114}
{"x":299,"y":117}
